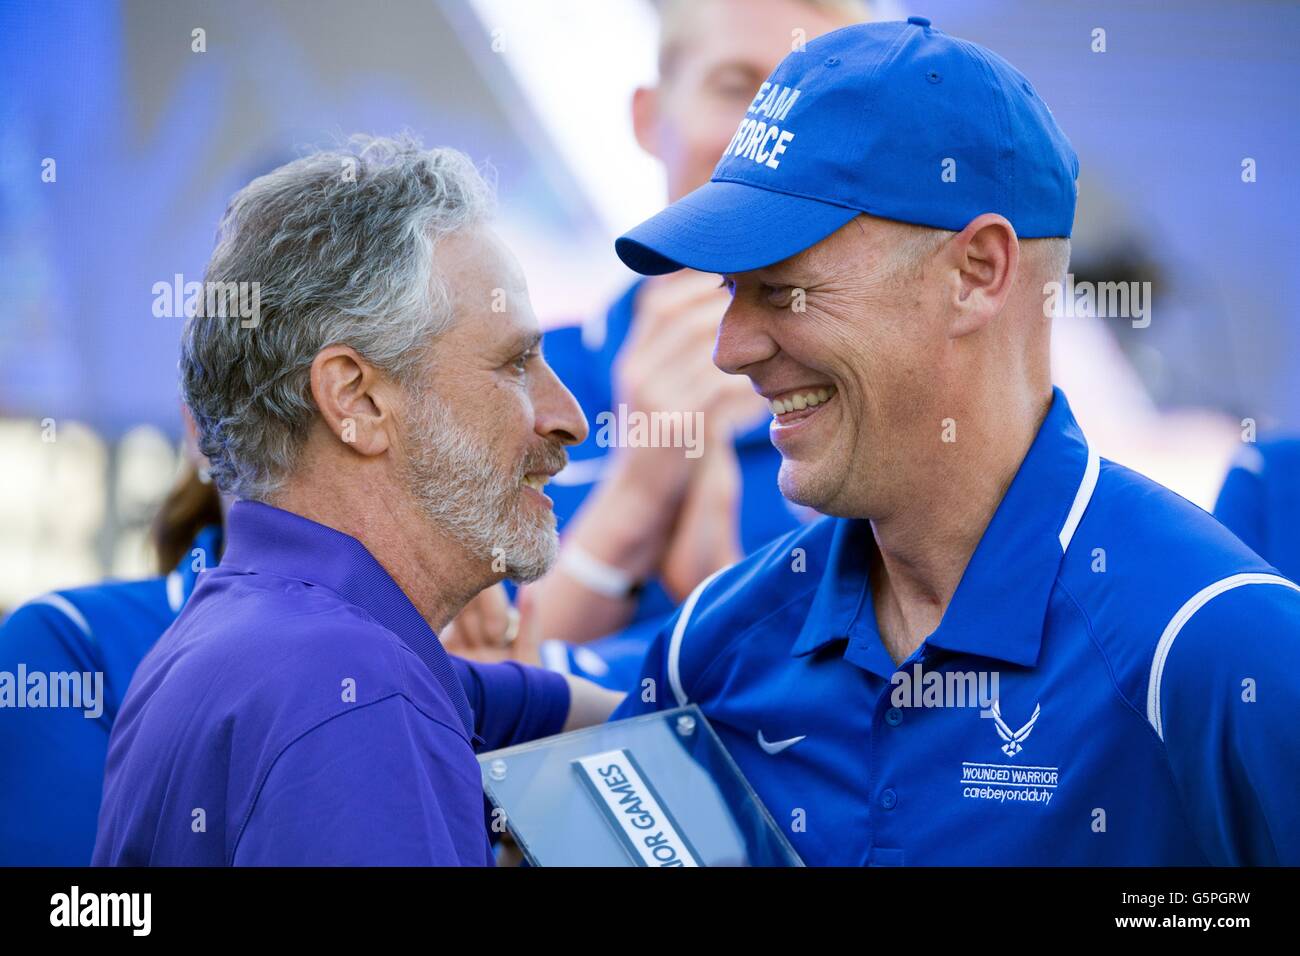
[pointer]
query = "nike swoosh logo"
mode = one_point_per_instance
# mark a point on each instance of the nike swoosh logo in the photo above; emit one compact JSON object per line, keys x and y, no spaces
{"x":775,"y":747}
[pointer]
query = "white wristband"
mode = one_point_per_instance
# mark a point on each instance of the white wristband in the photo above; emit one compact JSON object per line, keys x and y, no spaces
{"x":595,"y":575}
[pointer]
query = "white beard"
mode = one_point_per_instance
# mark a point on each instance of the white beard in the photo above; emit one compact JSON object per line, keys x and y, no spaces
{"x":451,"y":475}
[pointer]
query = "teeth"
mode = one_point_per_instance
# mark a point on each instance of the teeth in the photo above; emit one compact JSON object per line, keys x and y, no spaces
{"x":536,"y":482}
{"x":799,"y":402}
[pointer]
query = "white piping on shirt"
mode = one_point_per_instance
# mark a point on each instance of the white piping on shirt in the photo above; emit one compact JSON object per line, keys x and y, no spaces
{"x":175,"y":591}
{"x":555,"y":656}
{"x":68,"y":609}
{"x":1081,"y":498}
{"x":1176,"y":624}
{"x":679,"y":632}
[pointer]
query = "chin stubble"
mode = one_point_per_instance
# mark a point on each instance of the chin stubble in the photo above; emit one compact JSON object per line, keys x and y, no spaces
{"x":451,"y":475}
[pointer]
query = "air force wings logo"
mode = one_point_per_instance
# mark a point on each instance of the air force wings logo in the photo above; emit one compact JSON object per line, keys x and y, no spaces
{"x":1014,"y":738}
{"x":1006,"y":784}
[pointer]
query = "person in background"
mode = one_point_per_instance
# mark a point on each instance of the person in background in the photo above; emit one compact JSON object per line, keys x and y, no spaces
{"x":52,"y":759}
{"x":1260,"y":502}
{"x":642,"y":526}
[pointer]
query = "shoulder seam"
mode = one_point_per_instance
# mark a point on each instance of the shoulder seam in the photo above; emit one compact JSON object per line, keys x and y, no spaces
{"x":1101,"y":650}
{"x":257,"y":794}
{"x":69,"y":610}
{"x":747,"y":632}
{"x":392,"y":638}
{"x":687,"y":610}
{"x":1128,"y":705}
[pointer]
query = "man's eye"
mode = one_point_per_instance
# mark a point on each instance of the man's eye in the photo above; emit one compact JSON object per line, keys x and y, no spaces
{"x":740,"y":92}
{"x":520,"y":363}
{"x":778,"y":295}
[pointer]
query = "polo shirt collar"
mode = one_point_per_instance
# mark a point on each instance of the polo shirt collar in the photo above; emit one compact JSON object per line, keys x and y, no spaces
{"x":843,"y":599}
{"x":1000,"y":605}
{"x":265,"y":539}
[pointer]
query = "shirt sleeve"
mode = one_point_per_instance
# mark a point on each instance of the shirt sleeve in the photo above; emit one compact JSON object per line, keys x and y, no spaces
{"x":513,"y":703}
{"x":1228,"y":696}
{"x":382,"y":785}
{"x":51,"y":758}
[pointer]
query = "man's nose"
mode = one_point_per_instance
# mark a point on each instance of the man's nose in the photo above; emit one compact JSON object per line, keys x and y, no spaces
{"x":557,"y":413}
{"x":742,"y":341}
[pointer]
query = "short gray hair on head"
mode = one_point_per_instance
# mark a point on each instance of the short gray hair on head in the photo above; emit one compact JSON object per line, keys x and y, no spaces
{"x":341,"y":244}
{"x":1047,"y":259}
{"x":1041,"y":259}
{"x":915,"y":247}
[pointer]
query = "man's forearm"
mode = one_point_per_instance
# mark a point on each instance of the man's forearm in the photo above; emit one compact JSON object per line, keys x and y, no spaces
{"x":589,"y":703}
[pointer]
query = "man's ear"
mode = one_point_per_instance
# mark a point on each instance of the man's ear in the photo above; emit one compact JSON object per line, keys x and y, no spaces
{"x":645,"y":118}
{"x":985,"y":257}
{"x":351,"y":396}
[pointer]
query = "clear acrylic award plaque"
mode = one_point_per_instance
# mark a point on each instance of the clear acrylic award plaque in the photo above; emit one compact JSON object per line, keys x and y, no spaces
{"x":657,"y":790}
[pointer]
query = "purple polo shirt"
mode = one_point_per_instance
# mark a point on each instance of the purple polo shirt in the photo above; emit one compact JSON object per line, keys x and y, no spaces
{"x":300,"y":711}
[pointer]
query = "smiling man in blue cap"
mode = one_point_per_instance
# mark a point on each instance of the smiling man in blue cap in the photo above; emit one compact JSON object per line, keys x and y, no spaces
{"x":998,"y":649}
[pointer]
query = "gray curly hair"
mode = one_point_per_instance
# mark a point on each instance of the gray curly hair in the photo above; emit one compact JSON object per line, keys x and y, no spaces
{"x":341,"y":244}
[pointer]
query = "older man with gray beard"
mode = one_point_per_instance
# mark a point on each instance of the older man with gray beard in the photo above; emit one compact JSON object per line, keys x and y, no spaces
{"x":387,"y":426}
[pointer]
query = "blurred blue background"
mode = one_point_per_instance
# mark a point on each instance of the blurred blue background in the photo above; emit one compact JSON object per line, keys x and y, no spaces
{"x":150,"y":137}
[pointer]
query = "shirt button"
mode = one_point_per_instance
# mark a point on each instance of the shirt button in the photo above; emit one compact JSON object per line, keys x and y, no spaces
{"x":893,"y":716}
{"x":889,"y":799}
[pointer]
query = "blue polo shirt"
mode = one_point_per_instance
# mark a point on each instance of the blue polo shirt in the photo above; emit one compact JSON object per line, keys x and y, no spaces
{"x":1148,"y":671}
{"x":52,"y":759}
{"x":1260,"y":501}
{"x":583,"y":357}
{"x":301,"y":712}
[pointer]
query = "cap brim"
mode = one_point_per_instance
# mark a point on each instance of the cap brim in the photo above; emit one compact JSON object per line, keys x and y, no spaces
{"x":729,"y":227}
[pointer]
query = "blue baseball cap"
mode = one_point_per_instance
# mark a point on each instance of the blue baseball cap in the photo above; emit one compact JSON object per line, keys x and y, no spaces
{"x":898,"y":120}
